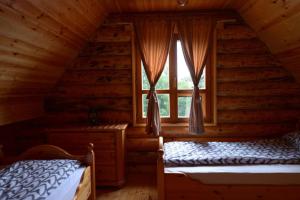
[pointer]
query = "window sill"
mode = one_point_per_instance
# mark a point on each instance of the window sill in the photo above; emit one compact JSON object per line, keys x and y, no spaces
{"x":180,"y":125}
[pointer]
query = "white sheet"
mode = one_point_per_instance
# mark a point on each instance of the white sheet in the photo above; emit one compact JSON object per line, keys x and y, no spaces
{"x":246,"y":174}
{"x":67,"y":190}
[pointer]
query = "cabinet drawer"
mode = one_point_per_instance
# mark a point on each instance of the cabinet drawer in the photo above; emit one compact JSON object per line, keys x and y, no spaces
{"x":105,"y":173}
{"x":108,"y":140}
{"x":105,"y":157}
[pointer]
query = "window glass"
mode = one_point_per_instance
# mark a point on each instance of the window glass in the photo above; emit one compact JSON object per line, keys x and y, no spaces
{"x":184,"y":80}
{"x":163,"y":102}
{"x":163,"y":82}
{"x":184,"y":106}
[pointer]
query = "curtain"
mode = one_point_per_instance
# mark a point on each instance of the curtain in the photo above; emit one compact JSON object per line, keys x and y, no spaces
{"x":195,"y":36}
{"x":154,"y":38}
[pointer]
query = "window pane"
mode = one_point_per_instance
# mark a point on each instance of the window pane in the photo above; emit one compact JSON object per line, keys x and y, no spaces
{"x":202,"y":79}
{"x":144,"y":105}
{"x":163,"y":82}
{"x":184,"y":106}
{"x":163,"y":102}
{"x":184,"y":80}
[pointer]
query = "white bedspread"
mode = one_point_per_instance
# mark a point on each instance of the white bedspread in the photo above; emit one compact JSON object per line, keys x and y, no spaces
{"x":40,"y":180}
{"x":68,"y":188}
{"x":246,"y":174}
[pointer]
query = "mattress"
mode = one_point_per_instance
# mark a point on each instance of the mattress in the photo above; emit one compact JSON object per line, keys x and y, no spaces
{"x":40,"y":179}
{"x":68,"y":188}
{"x":268,"y":151}
{"x":246,"y":174}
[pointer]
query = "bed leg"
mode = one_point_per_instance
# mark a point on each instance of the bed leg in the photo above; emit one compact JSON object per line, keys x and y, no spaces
{"x":91,"y":159}
{"x":160,"y":171}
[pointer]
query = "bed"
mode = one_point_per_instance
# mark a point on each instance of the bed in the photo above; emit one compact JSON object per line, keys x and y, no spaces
{"x":230,"y":170}
{"x":48,"y":172}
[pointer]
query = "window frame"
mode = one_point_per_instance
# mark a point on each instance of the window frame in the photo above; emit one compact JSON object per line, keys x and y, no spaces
{"x":207,"y":94}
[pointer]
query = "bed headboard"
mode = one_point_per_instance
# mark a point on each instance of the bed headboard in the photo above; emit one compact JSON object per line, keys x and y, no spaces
{"x":53,"y":152}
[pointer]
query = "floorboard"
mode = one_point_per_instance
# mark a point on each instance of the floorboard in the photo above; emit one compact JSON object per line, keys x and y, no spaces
{"x":137,"y":187}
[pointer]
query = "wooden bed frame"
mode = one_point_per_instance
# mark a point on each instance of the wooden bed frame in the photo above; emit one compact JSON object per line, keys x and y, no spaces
{"x":175,"y":186}
{"x":87,"y":187}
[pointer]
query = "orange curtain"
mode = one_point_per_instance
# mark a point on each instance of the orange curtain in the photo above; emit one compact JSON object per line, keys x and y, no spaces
{"x":195,"y":36}
{"x":154,"y":39}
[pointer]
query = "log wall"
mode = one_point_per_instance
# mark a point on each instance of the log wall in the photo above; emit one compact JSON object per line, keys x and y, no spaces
{"x":256,"y":96}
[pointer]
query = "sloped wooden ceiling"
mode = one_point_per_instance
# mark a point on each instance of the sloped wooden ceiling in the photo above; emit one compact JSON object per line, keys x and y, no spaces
{"x":121,"y":6}
{"x":37,"y":39}
{"x":277,"y":23}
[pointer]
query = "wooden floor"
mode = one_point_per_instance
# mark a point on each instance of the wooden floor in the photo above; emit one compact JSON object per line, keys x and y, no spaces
{"x":137,"y":187}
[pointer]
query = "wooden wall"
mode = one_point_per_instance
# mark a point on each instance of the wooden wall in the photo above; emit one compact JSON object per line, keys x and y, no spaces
{"x":20,"y":136}
{"x":37,"y":40}
{"x":256,"y":96}
{"x":275,"y":21}
{"x":99,"y":78}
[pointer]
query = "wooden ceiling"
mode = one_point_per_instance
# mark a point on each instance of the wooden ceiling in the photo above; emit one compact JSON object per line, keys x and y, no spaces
{"x":38,"y":38}
{"x":121,"y":6}
{"x":277,"y":23}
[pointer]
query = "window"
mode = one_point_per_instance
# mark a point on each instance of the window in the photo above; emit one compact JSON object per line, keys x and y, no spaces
{"x":174,"y":88}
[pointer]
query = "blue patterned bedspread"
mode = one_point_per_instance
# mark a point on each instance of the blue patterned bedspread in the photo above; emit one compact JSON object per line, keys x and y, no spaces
{"x":283,"y":150}
{"x":34,"y":179}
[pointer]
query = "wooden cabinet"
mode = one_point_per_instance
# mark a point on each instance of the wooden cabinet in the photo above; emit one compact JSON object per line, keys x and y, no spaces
{"x":109,"y":148}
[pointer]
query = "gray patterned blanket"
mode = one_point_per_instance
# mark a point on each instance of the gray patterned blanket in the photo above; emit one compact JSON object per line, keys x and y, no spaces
{"x":283,"y":150}
{"x":34,"y":179}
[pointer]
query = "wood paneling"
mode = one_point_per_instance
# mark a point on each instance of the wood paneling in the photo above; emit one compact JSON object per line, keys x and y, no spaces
{"x":99,"y":78}
{"x":277,"y":24}
{"x":256,"y":96}
{"x":116,"y":6}
{"x":18,"y":137}
{"x":37,"y":40}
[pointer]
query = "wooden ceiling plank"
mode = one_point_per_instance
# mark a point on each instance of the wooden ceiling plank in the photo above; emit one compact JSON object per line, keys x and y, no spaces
{"x":9,"y":68}
{"x":37,"y":60}
{"x":19,"y":45}
{"x":279,"y":17}
{"x":41,"y":19}
{"x":19,"y":19}
{"x":62,"y":14}
{"x":284,"y":35}
{"x":93,"y":10}
{"x":13,"y":27}
{"x":27,"y":62}
{"x":15,"y":48}
{"x":82,"y":17}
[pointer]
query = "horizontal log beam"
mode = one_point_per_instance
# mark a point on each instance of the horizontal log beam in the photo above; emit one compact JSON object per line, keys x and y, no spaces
{"x":242,"y":60}
{"x":55,"y":104}
{"x":258,"y":116}
{"x":261,"y":102}
{"x":107,"y":49}
{"x":251,"y":74}
{"x":235,"y":31}
{"x":113,"y":62}
{"x":114,"y":33}
{"x":267,"y":89}
{"x":249,"y":46}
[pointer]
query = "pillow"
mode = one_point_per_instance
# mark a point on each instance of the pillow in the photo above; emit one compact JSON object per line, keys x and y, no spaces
{"x":293,"y":138}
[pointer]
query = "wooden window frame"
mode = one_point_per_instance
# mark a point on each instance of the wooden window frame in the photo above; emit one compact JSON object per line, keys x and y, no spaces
{"x":207,"y":94}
